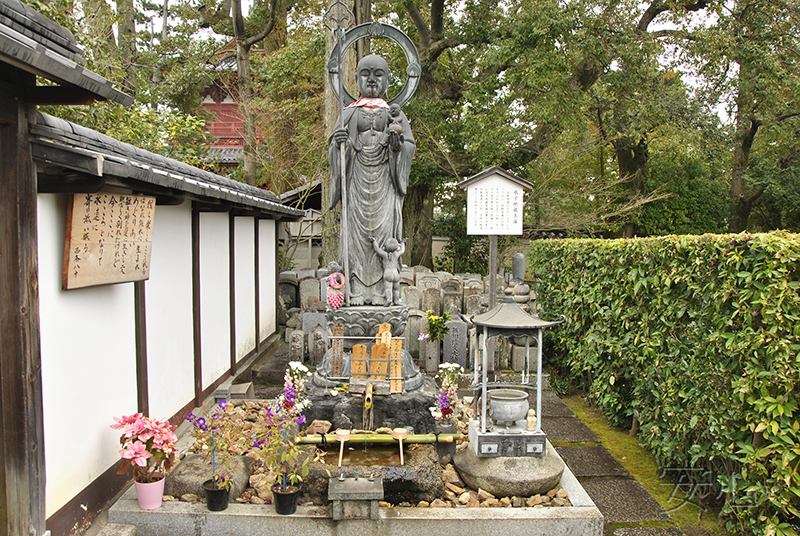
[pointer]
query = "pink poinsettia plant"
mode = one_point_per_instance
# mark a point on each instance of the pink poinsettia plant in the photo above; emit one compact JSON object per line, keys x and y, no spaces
{"x":148,"y":446}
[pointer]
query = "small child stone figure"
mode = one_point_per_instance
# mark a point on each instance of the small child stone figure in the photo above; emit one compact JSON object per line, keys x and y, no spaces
{"x":390,"y":253}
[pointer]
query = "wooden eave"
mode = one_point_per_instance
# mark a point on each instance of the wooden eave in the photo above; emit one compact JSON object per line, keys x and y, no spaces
{"x":75,"y":159}
{"x":32,"y":43}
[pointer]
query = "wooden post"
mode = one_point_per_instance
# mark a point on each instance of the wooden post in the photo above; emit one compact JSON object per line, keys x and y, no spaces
{"x":197,"y":327}
{"x":232,"y":287}
{"x":22,"y":482}
{"x":140,"y":321}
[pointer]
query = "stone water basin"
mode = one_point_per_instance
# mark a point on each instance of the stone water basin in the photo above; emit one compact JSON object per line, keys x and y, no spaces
{"x":419,"y":479}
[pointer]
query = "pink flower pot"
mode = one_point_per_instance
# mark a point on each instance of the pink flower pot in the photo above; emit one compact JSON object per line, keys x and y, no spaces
{"x":149,"y":495}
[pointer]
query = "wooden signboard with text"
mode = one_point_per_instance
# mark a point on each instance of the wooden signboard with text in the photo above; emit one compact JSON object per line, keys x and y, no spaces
{"x":109,"y":239}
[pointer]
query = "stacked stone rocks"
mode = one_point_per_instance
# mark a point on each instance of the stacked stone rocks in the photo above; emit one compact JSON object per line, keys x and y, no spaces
{"x":303,"y":295}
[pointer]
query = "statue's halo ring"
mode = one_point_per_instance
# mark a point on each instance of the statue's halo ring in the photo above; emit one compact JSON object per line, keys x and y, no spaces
{"x":377,"y":29}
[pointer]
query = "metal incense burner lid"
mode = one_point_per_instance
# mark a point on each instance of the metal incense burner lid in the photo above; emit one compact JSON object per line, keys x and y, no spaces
{"x":508,"y":319}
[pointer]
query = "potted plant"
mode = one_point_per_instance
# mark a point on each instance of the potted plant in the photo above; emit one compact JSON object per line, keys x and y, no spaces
{"x":276,"y":437}
{"x":148,"y":447}
{"x":214,"y":436}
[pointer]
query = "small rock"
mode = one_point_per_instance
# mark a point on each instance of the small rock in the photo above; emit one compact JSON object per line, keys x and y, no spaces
{"x":557,"y":501}
{"x":552,"y":492}
{"x":567,"y":502}
{"x":449,"y":495}
{"x":562,"y":494}
{"x":483,"y":495}
{"x":168,"y":498}
{"x":384,"y":504}
{"x":438,"y":503}
{"x":319,"y":427}
{"x":517,"y":502}
{"x":190,"y":498}
{"x":533,"y":501}
{"x":449,"y":474}
{"x":446,"y":459}
{"x":505,"y":501}
{"x":490,"y":503}
{"x":423,"y":504}
{"x":458,"y":490}
{"x":404,"y":504}
{"x":464,"y":498}
{"x":383,"y":430}
{"x":546,"y":499}
{"x":473,"y":504}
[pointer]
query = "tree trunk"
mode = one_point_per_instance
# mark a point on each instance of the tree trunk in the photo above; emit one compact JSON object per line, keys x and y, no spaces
{"x":127,"y":44}
{"x":417,"y":220}
{"x":249,"y":160}
{"x":633,"y":160}
{"x":331,"y":218}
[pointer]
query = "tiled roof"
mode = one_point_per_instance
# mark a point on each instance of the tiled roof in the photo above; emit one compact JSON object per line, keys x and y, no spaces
{"x":34,"y":43}
{"x":62,"y":143}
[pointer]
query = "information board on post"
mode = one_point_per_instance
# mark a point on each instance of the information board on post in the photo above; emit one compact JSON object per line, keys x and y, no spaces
{"x":494,"y":207}
{"x":109,"y":239}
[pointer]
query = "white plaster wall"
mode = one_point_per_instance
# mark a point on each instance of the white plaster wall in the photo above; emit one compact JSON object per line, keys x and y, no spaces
{"x":170,"y":349}
{"x":214,"y":296}
{"x":267,"y":236}
{"x":245,"y":245}
{"x":88,"y":365}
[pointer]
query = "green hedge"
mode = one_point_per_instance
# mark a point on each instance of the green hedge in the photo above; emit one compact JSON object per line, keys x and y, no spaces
{"x":697,"y":337}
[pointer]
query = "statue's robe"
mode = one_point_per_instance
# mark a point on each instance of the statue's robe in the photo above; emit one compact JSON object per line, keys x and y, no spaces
{"x":376,"y":180}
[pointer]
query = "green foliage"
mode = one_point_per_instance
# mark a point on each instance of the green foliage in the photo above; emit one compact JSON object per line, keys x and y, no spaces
{"x":437,"y":325}
{"x":698,"y":337}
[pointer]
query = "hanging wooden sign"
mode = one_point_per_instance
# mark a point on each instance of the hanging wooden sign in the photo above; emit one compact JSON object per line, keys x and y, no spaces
{"x":109,"y":238}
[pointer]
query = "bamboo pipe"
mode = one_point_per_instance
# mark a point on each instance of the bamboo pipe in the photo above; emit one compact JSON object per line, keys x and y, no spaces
{"x":316,"y":439}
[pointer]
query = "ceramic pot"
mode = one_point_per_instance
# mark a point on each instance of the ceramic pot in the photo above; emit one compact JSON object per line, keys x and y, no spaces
{"x":216,"y":499}
{"x":149,"y":494}
{"x":285,"y":502}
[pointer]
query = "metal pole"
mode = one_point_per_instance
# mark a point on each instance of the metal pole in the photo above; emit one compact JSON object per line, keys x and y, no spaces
{"x":539,"y":381}
{"x":484,"y":385}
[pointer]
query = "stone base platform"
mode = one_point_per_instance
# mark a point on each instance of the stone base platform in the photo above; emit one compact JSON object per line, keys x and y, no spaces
{"x":507,"y":477}
{"x":184,"y":519}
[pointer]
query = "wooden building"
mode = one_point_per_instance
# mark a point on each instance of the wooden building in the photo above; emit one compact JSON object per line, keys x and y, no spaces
{"x":180,"y":318}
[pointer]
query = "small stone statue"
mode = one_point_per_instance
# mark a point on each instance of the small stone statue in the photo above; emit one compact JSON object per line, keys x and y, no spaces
{"x":390,"y":253}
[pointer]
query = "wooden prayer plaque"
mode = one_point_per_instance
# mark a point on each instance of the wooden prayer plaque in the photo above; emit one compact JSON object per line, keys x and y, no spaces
{"x":337,"y":348}
{"x":358,"y":364}
{"x":109,"y":238}
{"x":396,"y":367}
{"x":379,"y":362}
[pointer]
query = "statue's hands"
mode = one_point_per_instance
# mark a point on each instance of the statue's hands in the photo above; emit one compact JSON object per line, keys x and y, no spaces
{"x":395,"y":141}
{"x":340,"y":135}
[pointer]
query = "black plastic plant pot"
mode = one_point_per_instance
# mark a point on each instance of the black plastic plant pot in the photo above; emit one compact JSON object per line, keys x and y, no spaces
{"x":285,"y":501}
{"x":216,"y":499}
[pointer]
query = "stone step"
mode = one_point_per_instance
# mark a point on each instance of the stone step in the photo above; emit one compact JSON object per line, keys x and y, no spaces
{"x":117,"y":529}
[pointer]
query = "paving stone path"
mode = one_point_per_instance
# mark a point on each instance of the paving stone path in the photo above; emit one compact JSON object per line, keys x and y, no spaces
{"x":623,"y":501}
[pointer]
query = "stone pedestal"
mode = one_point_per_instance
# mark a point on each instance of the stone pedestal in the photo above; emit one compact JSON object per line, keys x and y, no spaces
{"x":508,"y":477}
{"x":433,"y":351}
{"x":355,"y":498}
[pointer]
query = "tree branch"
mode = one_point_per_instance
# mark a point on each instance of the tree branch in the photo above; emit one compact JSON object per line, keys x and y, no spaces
{"x":658,"y":7}
{"x":437,"y":19}
{"x":273,"y":10}
{"x":419,"y":24}
{"x":784,"y":117}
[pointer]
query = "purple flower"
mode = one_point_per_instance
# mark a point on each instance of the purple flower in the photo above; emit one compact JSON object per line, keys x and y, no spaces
{"x":259,"y":443}
{"x":223,"y":404}
{"x":300,"y":420}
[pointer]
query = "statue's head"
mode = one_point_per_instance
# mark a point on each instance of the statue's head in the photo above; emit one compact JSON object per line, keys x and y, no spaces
{"x":372,"y":76}
{"x":392,"y":244}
